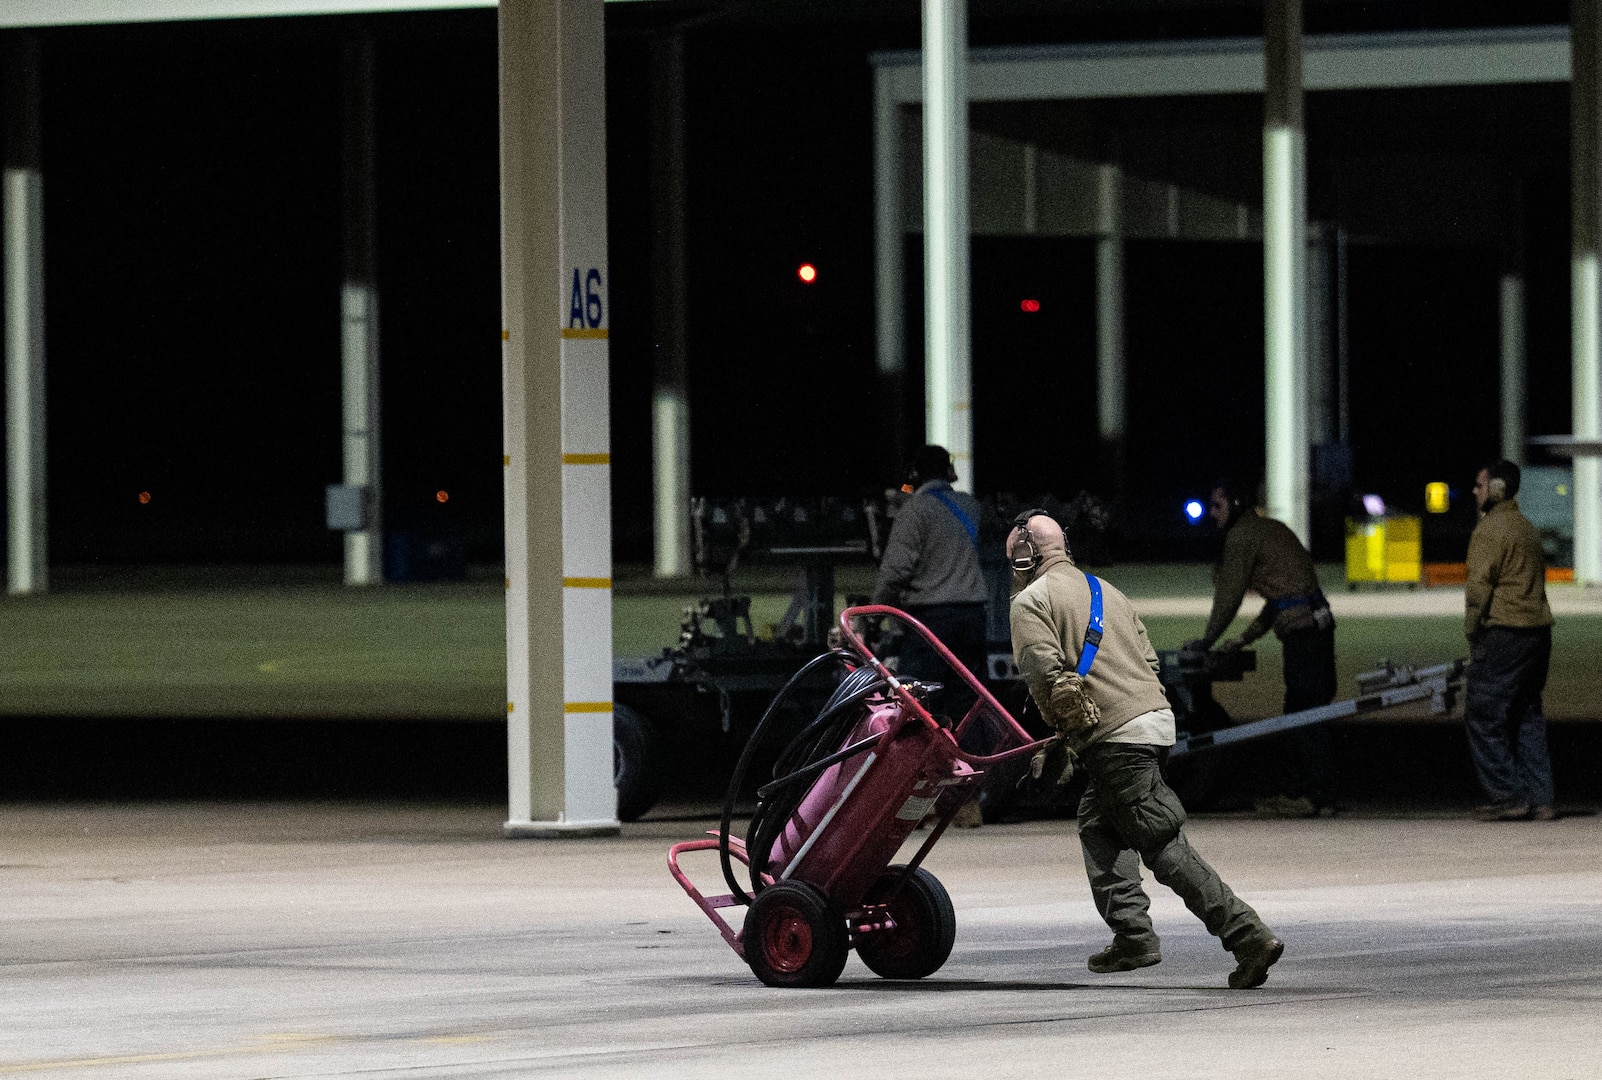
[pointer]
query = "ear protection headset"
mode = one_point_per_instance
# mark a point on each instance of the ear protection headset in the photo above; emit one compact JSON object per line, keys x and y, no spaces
{"x":1502,"y":480}
{"x":1024,"y":553}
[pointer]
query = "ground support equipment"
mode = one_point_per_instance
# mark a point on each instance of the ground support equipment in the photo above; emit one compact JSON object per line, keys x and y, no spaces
{"x":1386,"y":686}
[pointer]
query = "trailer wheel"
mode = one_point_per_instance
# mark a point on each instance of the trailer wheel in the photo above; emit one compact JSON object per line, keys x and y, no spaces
{"x":925,"y":930}
{"x":636,"y":771}
{"x":794,"y":936}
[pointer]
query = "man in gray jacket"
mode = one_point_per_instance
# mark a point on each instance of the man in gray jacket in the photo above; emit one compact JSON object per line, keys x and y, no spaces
{"x":930,"y":569}
{"x":1114,"y":716}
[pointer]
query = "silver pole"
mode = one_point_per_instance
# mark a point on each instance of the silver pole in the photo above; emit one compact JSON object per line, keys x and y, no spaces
{"x":1513,"y":372}
{"x":1285,"y":267}
{"x":889,"y":297}
{"x":670,"y":413}
{"x":1585,"y":22}
{"x":1111,"y":392}
{"x":359,"y":365}
{"x":23,"y":208}
{"x":947,"y":360}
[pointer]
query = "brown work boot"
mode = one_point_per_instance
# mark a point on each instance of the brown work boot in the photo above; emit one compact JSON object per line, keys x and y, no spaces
{"x":1121,"y":956}
{"x":1502,"y":812}
{"x":1543,"y":813}
{"x":970,"y":815}
{"x":1252,"y":962}
{"x":1284,"y":806}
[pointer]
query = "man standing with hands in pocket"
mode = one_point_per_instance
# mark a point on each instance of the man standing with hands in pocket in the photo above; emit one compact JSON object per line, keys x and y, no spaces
{"x":1508,"y":623}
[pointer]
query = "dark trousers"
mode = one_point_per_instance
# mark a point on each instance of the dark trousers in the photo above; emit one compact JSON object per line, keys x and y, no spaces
{"x":1308,"y":765}
{"x":960,"y":628}
{"x":1502,"y":711}
{"x":1130,"y":815}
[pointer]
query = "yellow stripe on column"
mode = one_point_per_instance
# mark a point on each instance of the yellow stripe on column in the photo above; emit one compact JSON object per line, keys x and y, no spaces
{"x":586,"y":459}
{"x":587,"y":706}
{"x":598,"y":334}
{"x":586,"y":583}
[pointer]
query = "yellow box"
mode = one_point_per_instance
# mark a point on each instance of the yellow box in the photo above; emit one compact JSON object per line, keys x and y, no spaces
{"x":1389,"y":550}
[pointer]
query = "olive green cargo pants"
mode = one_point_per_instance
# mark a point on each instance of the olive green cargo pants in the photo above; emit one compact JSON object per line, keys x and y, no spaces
{"x":1130,"y":815}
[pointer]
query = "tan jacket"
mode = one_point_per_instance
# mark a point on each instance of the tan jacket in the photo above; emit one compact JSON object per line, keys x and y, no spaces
{"x":1265,"y":556}
{"x":1049,"y":619}
{"x":1506,"y":573}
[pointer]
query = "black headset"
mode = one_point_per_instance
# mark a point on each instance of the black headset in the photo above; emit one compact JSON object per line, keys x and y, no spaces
{"x":1024,"y":553}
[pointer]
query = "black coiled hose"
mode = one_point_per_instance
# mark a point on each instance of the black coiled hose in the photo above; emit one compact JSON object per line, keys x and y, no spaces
{"x":806,"y":755}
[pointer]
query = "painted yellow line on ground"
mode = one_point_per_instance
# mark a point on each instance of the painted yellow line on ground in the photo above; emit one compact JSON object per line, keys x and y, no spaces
{"x":586,"y":459}
{"x":598,"y":334}
{"x":268,"y":1045}
{"x":587,"y":706}
{"x":586,"y":583}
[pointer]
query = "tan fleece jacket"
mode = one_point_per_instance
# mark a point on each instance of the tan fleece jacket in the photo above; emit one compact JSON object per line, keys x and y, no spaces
{"x":1049,"y":619}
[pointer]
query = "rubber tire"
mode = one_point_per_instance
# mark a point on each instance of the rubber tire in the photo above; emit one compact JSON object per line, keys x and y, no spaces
{"x":926,"y":927}
{"x":794,"y":937}
{"x":636,"y":763}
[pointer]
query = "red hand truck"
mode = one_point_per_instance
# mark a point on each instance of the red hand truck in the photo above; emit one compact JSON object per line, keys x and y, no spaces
{"x":824,"y":883}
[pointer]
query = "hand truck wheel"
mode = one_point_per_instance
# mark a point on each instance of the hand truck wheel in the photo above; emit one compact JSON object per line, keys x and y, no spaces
{"x":793,"y":936}
{"x":925,"y":930}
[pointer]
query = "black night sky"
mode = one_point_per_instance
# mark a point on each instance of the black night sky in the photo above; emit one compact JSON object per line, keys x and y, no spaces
{"x":193,"y":264}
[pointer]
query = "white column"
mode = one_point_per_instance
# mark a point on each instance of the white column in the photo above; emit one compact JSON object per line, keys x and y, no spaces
{"x":1285,"y":267}
{"x":1585,"y":22}
{"x":554,"y":277}
{"x":670,"y":408}
{"x":1110,"y":378}
{"x":889,"y":297}
{"x":358,"y":339}
{"x":1513,"y":371}
{"x":23,"y":199}
{"x":1111,"y":374}
{"x":948,"y":416}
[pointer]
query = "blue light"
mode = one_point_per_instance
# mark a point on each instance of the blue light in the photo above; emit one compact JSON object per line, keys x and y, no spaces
{"x":1194,"y":510}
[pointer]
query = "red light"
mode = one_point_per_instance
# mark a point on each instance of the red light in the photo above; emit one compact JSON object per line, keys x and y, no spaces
{"x":1030,"y":306}
{"x":808,"y":273}
{"x":442,"y":496}
{"x":144,"y":498}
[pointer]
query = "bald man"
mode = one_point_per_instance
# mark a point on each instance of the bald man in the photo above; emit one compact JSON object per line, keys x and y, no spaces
{"x":1115,"y":717}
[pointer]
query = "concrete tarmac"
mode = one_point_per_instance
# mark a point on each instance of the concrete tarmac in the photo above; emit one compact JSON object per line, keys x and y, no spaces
{"x":253,"y":940}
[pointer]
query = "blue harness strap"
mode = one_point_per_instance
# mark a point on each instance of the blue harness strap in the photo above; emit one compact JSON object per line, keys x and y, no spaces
{"x":1092,"y":632}
{"x":951,"y":504}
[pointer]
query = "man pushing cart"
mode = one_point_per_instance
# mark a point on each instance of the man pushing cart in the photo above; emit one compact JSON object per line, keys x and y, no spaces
{"x":857,"y":781}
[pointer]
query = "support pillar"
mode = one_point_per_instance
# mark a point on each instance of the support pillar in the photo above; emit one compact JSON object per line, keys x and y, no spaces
{"x":1343,"y":351}
{"x":1285,"y":267}
{"x":1322,"y":376}
{"x":358,"y":342}
{"x":554,"y":278}
{"x":889,"y":296}
{"x":1513,"y":365}
{"x":1585,"y":23}
{"x":1111,"y":376}
{"x":23,"y":209}
{"x":947,"y":356}
{"x":670,"y":402}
